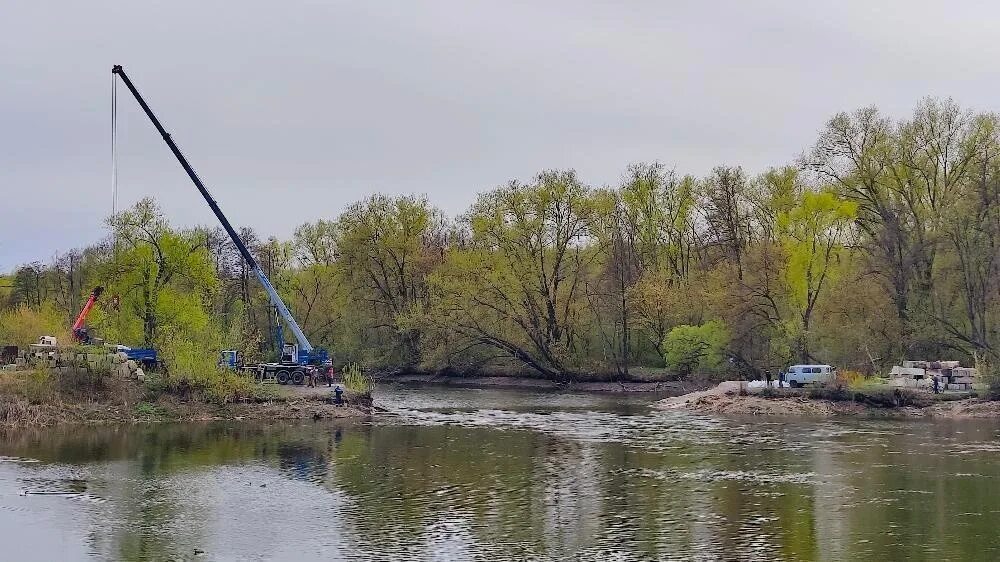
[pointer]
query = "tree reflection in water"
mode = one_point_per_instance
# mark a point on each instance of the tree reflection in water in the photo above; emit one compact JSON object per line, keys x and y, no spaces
{"x":660,"y":488}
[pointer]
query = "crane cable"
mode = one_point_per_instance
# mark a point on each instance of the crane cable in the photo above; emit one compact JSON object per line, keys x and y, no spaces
{"x":114,"y":181}
{"x":114,"y":144}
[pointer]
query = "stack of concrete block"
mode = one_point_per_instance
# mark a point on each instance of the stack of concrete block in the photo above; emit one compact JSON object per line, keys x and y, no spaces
{"x":909,"y":375}
{"x":921,"y":374}
{"x":104,"y":361}
{"x":962,"y":378}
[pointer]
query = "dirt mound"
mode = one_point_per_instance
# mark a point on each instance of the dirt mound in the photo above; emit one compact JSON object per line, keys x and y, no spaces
{"x":757,"y":406}
{"x":727,"y":399}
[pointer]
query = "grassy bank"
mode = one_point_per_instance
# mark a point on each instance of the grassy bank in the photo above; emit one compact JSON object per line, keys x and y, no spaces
{"x":42,"y":398}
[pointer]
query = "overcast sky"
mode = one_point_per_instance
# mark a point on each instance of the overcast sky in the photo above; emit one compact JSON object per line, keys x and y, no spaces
{"x":292,"y":110}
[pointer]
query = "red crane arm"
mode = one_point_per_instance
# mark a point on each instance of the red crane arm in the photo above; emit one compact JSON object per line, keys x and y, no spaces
{"x":86,"y":308}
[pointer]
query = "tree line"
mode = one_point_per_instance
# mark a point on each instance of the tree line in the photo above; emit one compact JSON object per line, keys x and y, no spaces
{"x":879,"y":243}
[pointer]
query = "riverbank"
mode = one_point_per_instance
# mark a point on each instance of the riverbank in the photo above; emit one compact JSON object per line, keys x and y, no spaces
{"x":726,"y":398}
{"x":671,"y":388}
{"x":36,"y":399}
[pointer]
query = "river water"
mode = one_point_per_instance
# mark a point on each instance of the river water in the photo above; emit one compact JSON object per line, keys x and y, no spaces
{"x":454,"y":474}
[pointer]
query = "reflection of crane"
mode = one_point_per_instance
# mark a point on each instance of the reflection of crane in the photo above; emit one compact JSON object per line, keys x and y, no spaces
{"x":80,"y":333}
{"x":294,"y":357}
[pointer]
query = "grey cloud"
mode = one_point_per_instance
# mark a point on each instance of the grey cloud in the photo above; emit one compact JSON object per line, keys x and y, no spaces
{"x":291,"y":111}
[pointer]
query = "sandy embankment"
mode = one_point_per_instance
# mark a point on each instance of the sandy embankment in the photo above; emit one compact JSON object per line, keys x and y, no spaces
{"x":727,"y":399}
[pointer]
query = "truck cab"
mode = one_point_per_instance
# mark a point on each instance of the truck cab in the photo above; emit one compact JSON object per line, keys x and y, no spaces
{"x":289,"y":354}
{"x":229,"y":358}
{"x":799,"y":375}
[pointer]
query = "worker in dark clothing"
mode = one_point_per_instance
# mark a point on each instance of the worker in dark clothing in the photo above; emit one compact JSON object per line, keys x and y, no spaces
{"x":338,"y":395}
{"x":937,"y":385}
{"x":781,"y":379}
{"x":767,"y":377}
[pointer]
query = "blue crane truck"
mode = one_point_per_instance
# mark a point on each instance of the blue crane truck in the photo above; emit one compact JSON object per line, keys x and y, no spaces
{"x":297,"y":360}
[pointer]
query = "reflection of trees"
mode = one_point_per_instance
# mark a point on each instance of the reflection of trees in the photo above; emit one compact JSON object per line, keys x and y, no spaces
{"x":146,"y":517}
{"x":567,"y":486}
{"x":404,"y":479}
{"x":158,"y":448}
{"x":302,"y":461}
{"x":922,"y":492}
{"x":518,"y":494}
{"x":633,"y":508}
{"x":707,"y":499}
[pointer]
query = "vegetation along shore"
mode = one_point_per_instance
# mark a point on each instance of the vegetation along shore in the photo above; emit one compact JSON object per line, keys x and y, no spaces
{"x":877,"y":244}
{"x":75,"y":396}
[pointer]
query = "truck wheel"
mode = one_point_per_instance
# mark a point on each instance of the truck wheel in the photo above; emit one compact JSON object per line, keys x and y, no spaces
{"x":298,"y":377}
{"x":282,"y":377}
{"x":794,"y":384}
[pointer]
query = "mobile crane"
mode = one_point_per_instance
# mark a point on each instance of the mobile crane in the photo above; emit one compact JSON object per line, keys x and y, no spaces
{"x":296,"y":359}
{"x":80,"y":332}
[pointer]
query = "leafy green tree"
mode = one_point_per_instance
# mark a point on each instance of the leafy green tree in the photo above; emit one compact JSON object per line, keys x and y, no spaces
{"x":27,"y":286}
{"x":814,"y":234}
{"x":727,"y":212}
{"x":160,"y":277}
{"x":518,"y":287}
{"x":692,"y":348}
{"x":6,"y":286}
{"x":386,"y":247}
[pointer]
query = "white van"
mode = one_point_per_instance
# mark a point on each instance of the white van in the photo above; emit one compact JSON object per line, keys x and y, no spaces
{"x":798,"y":375}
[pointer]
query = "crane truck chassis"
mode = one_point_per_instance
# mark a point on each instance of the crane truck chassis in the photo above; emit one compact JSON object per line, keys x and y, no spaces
{"x":297,"y":359}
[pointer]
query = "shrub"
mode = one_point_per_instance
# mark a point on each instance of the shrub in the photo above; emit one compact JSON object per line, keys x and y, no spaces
{"x":357,"y":381}
{"x":148,"y":410}
{"x":848,"y":379}
{"x":989,"y":375}
{"x":835,"y":394}
{"x":23,"y":325}
{"x":688,"y":348}
{"x":35,"y":387}
{"x":193,"y":366}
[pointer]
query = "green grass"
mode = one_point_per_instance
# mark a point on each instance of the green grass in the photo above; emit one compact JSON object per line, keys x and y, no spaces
{"x":147,"y":410}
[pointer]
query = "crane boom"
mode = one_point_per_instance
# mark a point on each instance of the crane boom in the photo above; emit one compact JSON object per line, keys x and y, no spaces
{"x":272,"y":294}
{"x":79,"y":332}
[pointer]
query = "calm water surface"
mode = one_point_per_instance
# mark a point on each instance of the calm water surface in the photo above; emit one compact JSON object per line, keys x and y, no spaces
{"x":452,"y":474}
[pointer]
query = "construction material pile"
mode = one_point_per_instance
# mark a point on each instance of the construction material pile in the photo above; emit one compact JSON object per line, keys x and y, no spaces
{"x":47,"y":354}
{"x":920,"y":374}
